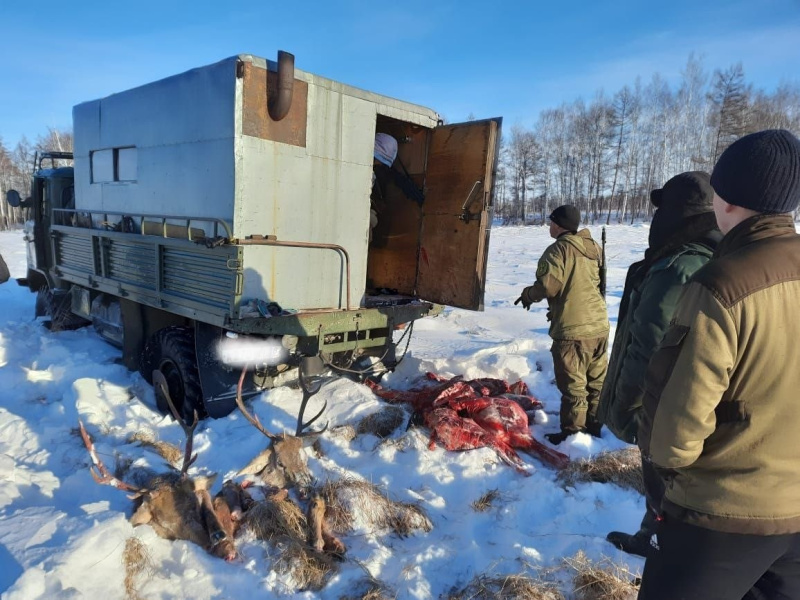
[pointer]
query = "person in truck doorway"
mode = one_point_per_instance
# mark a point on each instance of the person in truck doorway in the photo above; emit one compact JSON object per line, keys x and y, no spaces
{"x":384,"y":156}
{"x":569,"y":277}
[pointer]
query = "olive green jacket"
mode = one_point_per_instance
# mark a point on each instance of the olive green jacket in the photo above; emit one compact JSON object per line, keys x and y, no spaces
{"x":568,"y":276}
{"x":649,"y":300}
{"x":722,"y":390}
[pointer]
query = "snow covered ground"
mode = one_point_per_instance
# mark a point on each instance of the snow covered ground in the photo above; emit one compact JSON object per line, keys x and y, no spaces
{"x":62,"y":535}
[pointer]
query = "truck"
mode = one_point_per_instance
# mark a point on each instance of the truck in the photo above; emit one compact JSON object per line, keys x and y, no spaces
{"x":225,"y":212}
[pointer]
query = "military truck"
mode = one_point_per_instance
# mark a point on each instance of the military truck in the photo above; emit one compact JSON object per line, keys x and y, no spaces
{"x":230,"y":206}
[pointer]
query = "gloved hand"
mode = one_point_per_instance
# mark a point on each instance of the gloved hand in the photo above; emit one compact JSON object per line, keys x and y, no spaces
{"x":525,"y":304}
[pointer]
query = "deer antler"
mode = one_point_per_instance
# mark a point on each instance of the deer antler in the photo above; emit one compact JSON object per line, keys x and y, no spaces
{"x":240,"y":403}
{"x":188,"y":430}
{"x":102,"y":475}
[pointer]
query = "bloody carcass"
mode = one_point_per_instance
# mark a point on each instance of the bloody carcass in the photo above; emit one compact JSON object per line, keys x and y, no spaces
{"x":463,"y":415}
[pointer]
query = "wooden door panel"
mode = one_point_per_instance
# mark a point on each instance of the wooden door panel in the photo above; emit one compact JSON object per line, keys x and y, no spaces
{"x":457,"y":213}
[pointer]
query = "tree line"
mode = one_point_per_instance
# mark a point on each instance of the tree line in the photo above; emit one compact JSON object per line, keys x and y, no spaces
{"x":605,"y":155}
{"x":17,"y":167}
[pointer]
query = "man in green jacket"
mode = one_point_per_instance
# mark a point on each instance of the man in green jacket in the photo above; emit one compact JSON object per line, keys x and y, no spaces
{"x":683,"y":235}
{"x":720,"y":413}
{"x":568,"y":276}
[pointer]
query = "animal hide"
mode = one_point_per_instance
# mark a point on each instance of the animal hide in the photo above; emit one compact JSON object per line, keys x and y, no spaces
{"x":463,"y":415}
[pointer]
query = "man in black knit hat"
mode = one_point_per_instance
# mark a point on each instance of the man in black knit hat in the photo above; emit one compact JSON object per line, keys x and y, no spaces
{"x":568,"y":276}
{"x":721,"y":395}
{"x":683,"y":236}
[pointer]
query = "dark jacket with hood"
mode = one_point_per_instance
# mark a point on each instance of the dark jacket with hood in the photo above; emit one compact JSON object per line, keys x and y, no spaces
{"x":683,"y":235}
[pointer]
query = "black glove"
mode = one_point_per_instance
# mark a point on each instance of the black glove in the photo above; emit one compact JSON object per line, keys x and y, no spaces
{"x":525,"y":304}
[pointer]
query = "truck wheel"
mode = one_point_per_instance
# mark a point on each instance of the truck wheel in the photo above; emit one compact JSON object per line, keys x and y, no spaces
{"x":171,"y":351}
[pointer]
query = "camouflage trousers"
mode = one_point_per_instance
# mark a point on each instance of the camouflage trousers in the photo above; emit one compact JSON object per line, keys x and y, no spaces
{"x":580,"y":368}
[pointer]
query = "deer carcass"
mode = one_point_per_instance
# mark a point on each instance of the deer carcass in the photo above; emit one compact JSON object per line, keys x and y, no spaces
{"x":284,"y":465}
{"x":175,"y":505}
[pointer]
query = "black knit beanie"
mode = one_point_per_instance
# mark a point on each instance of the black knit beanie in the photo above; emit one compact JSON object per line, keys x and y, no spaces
{"x":567,"y":216}
{"x":760,"y":171}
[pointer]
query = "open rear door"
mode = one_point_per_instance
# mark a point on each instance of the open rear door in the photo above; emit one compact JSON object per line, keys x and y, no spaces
{"x":456,"y":215}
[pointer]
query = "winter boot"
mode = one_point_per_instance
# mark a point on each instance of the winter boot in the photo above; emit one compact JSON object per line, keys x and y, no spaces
{"x":594,"y":429}
{"x":638,"y":543}
{"x":557,"y":438}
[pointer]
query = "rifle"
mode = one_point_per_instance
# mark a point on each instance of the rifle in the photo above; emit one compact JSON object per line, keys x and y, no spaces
{"x":603,"y":265}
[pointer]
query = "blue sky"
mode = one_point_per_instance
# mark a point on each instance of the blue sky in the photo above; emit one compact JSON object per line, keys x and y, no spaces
{"x":509,"y":59}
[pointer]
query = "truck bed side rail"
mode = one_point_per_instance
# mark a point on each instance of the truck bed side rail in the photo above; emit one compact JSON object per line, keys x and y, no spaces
{"x":186,"y":227}
{"x":196,"y":280}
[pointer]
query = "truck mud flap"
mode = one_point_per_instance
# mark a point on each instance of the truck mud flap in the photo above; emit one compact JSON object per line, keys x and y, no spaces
{"x":217,"y":380}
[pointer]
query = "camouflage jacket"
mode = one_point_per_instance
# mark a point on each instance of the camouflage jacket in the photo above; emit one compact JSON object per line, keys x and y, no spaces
{"x":568,"y":276}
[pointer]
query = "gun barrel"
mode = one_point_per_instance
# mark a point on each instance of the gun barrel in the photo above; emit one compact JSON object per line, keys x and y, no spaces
{"x":603,"y":264}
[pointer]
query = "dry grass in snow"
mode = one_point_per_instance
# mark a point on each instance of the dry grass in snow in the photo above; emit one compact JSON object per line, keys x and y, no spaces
{"x":383,"y":423}
{"x":352,"y":500}
{"x":621,"y":467}
{"x":508,"y":587}
{"x":602,"y":580}
{"x":138,"y":565}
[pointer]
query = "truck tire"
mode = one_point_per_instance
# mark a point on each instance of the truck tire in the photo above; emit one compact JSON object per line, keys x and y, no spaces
{"x":171,"y":351}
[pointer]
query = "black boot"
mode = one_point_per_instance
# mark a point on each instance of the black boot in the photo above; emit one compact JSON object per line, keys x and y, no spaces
{"x":557,"y":438}
{"x":594,"y":429}
{"x":638,"y":543}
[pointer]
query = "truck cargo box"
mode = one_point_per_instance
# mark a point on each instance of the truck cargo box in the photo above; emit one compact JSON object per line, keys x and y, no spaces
{"x":203,"y":144}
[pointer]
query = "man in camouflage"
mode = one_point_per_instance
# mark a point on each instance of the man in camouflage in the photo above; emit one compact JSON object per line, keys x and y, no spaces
{"x":720,"y":410}
{"x":568,"y":276}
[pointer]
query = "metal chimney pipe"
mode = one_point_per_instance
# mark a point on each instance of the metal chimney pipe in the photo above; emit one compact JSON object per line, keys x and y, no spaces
{"x":279,"y":103}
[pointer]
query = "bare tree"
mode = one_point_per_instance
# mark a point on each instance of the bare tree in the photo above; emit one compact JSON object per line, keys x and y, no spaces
{"x":522,"y":162}
{"x":692,"y":117}
{"x":780,"y":110}
{"x":621,"y":118}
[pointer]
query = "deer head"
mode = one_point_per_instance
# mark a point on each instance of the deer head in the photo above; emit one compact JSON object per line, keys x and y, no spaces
{"x":230,"y":504}
{"x":283,"y":463}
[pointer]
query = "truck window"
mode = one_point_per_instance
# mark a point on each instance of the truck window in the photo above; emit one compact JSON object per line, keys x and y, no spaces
{"x":114,"y":164}
{"x":102,"y":166}
{"x":68,"y":197}
{"x":126,"y":164}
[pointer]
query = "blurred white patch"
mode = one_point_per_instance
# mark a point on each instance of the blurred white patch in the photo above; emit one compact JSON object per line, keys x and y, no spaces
{"x":241,"y":351}
{"x":37,"y":376}
{"x":94,"y":508}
